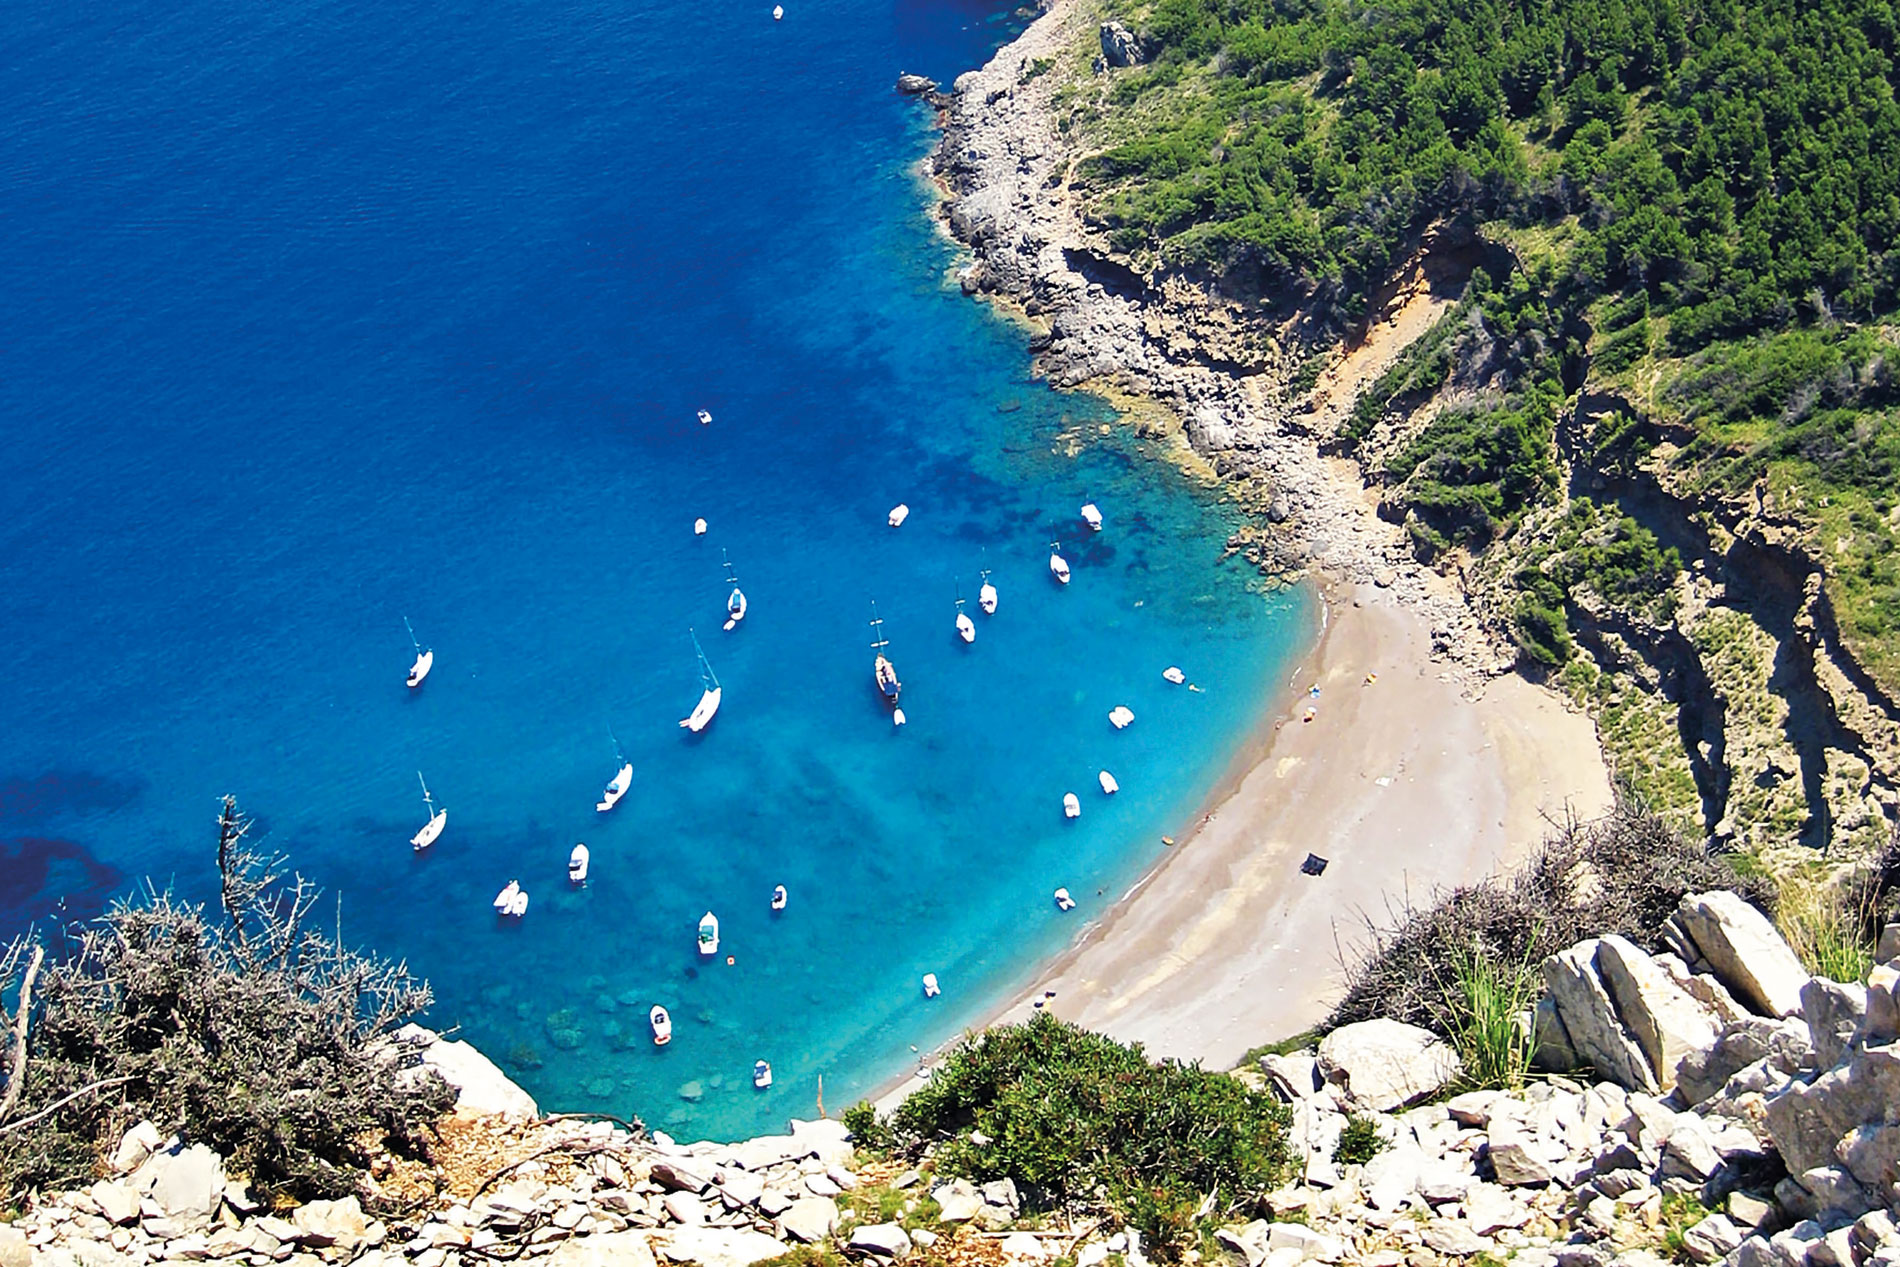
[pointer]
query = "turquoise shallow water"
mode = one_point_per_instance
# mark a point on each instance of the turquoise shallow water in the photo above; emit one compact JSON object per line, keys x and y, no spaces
{"x":329,"y":315}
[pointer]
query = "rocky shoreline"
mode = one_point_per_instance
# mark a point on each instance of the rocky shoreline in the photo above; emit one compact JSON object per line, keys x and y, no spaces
{"x":1743,"y":1113}
{"x":1006,"y":173}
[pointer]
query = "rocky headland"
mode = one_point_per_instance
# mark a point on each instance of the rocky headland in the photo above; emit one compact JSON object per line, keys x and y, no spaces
{"x":1743,"y":709}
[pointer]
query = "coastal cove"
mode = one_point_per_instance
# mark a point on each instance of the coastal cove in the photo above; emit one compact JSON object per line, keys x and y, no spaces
{"x":365,"y":357}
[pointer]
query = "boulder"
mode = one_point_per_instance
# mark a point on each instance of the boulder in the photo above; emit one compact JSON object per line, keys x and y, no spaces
{"x":482,"y":1089}
{"x":1833,"y":1012}
{"x":1783,"y":1044}
{"x":611,"y":1249}
{"x":1551,"y":1047}
{"x":1119,"y":45}
{"x":186,"y":1184}
{"x":1209,"y":431}
{"x":1883,"y":1005}
{"x":739,"y":1187}
{"x":1744,"y":951}
{"x":321,"y":1224}
{"x":1590,"y":1018}
{"x":134,"y":1147}
{"x":809,"y":1219}
{"x":827,"y":1140}
{"x":1023,"y":1247}
{"x":720,"y":1246}
{"x":1515,"y":1158}
{"x":684,"y":1208}
{"x":1454,"y":1239}
{"x":1489,"y":1208}
{"x":1312,"y":1245}
{"x":957,"y":1201}
{"x":1711,"y":1240}
{"x":1292,"y":1077}
{"x":1807,"y":1121}
{"x":1385,"y":1064}
{"x":14,"y":1251}
{"x":915,"y":85}
{"x":677,"y":1178}
{"x":1666,"y":1022}
{"x":887,"y":1240}
{"x":1871,"y":1153}
{"x":117,"y":1203}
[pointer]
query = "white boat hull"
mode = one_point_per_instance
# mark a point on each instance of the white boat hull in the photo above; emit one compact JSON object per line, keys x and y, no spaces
{"x":420,"y":669}
{"x":735,"y":608}
{"x":577,"y":865}
{"x":1092,"y":517}
{"x":986,"y":599}
{"x":778,"y":898}
{"x":931,"y":989}
{"x":899,"y":513}
{"x":1174,"y":675}
{"x":966,"y":628}
{"x":708,"y":936}
{"x":703,"y":711}
{"x":616,"y":789}
{"x":661,"y":1024}
{"x":1059,"y":568}
{"x":1109,"y":786}
{"x":761,"y":1075}
{"x":1071,"y":806}
{"x":430,"y":830}
{"x":1120,"y":716}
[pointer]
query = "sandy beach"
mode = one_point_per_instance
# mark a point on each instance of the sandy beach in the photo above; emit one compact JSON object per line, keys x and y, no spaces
{"x":1409,"y":784}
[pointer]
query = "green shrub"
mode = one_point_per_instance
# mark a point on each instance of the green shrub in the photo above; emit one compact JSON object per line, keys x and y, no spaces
{"x":871,"y":1134}
{"x":1482,"y":1005}
{"x":1073,"y":1117}
{"x":1359,"y":1142}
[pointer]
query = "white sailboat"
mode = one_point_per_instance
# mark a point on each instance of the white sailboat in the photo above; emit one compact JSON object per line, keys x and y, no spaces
{"x":986,"y":597}
{"x":966,"y":628}
{"x":709,"y":696}
{"x":735,"y":601}
{"x":1058,"y":566}
{"x":438,"y":819}
{"x":622,"y":780}
{"x":708,"y":935}
{"x":425,"y":659}
{"x":662,"y":1026}
{"x":883,"y":672}
{"x":577,"y":865}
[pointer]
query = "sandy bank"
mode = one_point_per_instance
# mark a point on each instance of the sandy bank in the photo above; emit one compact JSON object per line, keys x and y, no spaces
{"x":1407,"y":785}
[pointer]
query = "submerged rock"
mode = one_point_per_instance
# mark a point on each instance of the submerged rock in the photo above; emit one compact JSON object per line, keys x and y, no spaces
{"x":915,"y":85}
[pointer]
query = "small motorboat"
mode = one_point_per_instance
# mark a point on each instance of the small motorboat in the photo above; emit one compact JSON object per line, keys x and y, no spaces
{"x":708,"y":935}
{"x":778,"y":897}
{"x":662,"y":1026}
{"x":1119,"y":716}
{"x":1063,"y":901}
{"x":1109,"y":786}
{"x":735,"y":601}
{"x":966,"y":628}
{"x":899,"y":513}
{"x":705,"y":417}
{"x":1058,"y":566}
{"x":699,"y":527}
{"x":883,"y":672}
{"x":778,"y":13}
{"x":1092,"y":516}
{"x":761,"y":1075}
{"x":577,"y":865}
{"x":1071,"y":805}
{"x":897,"y":717}
{"x":512,"y":901}
{"x":438,"y":819}
{"x":425,"y":659}
{"x":931,"y":989}
{"x":709,"y":696}
{"x":1174,"y":675}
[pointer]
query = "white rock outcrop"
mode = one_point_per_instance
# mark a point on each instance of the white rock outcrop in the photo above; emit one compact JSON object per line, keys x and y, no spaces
{"x":1385,"y":1064}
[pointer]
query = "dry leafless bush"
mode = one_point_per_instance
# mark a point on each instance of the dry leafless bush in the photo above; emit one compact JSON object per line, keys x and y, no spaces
{"x":250,"y":1030}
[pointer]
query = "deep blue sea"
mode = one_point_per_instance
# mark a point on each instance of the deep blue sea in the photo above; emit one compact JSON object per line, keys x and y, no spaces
{"x":317,"y":316}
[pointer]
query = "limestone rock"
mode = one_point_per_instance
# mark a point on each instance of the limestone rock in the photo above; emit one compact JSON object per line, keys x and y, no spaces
{"x":1292,"y":1077}
{"x":1783,"y":1044}
{"x":720,"y":1246}
{"x":1591,"y":1020}
{"x":1807,"y":1121}
{"x":14,"y":1251}
{"x":684,"y":1208}
{"x":1311,"y":1244}
{"x":677,"y":1178}
{"x":134,"y":1147}
{"x":1454,"y":1239}
{"x":117,"y":1203}
{"x":915,"y":85}
{"x":1209,"y":431}
{"x":1833,"y":1012}
{"x":1744,"y":951}
{"x":1667,"y":1023}
{"x":1385,"y":1064}
{"x":324,"y":1223}
{"x":1515,"y":1159}
{"x":609,"y":1249}
{"x":1119,"y":45}
{"x":957,"y":1201}
{"x":1489,"y":1208}
{"x":481,"y":1087}
{"x":185,"y":1183}
{"x":809,"y":1219}
{"x":887,"y":1240}
{"x":1023,"y":1247}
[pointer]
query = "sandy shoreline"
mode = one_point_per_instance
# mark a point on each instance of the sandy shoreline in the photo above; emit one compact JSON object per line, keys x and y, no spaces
{"x":1405,"y":784}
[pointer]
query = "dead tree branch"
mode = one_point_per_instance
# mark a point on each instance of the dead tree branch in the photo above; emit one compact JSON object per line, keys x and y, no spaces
{"x":16,"y":1066}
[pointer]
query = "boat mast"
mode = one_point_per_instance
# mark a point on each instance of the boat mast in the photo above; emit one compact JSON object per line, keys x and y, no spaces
{"x":706,"y":674}
{"x":412,"y":641}
{"x":426,"y":800}
{"x":879,"y":642}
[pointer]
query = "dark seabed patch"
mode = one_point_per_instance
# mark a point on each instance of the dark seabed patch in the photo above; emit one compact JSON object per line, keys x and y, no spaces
{"x":41,"y":877}
{"x":29,"y":801}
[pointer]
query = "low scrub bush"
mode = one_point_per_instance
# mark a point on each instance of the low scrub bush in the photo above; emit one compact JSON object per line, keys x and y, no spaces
{"x":249,"y":1030}
{"x":1623,"y":873}
{"x":1359,"y":1142}
{"x":1079,"y":1120}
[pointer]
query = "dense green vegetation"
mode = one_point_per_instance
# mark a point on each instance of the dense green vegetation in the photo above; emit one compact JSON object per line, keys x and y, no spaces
{"x":1618,"y":560}
{"x":1080,"y":1120}
{"x":1698,"y":201}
